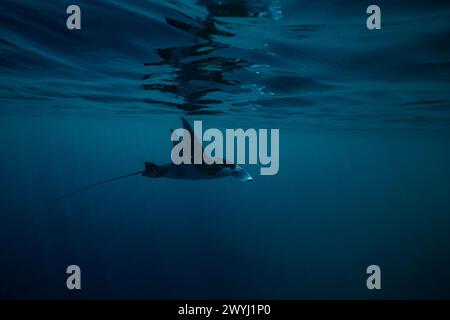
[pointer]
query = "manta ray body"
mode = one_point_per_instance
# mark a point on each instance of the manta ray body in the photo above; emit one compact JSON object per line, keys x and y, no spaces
{"x":182,"y":171}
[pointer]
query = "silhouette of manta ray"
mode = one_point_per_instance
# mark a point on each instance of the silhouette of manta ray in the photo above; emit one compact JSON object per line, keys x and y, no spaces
{"x":182,"y":171}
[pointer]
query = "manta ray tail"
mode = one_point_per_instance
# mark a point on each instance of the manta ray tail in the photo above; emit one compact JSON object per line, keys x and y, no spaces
{"x":94,"y":185}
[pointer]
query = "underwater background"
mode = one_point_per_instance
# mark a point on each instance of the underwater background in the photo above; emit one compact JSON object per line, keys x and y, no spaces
{"x":364,"y":119}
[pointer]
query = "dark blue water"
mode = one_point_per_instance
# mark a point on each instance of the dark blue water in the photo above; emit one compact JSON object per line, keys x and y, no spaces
{"x":364,"y":119}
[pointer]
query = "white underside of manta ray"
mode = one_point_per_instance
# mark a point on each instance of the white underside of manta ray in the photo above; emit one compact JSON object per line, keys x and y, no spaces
{"x":181,"y":172}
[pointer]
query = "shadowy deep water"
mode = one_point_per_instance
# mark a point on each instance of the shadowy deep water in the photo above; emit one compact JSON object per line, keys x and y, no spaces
{"x":364,"y":119}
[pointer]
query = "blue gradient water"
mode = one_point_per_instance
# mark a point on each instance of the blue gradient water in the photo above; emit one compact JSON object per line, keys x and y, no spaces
{"x":364,"y":120}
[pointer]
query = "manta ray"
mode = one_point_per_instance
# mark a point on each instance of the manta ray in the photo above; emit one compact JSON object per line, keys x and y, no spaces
{"x":182,"y":171}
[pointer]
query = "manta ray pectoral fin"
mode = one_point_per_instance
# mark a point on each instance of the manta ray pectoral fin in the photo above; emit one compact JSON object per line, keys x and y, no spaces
{"x":187,"y":126}
{"x":194,"y":138}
